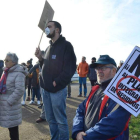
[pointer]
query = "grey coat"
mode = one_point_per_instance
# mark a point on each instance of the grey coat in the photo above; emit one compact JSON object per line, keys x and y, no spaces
{"x":10,"y":103}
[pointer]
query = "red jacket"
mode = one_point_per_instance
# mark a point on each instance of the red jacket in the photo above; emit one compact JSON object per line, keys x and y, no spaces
{"x":82,"y":69}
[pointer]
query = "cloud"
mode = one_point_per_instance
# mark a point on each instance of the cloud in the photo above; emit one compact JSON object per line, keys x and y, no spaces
{"x":94,"y":27}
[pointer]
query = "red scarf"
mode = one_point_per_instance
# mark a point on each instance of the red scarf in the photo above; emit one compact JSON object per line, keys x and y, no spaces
{"x":3,"y":81}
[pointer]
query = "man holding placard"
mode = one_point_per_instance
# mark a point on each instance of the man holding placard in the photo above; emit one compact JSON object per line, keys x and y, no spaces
{"x":99,"y":117}
{"x":58,"y":66}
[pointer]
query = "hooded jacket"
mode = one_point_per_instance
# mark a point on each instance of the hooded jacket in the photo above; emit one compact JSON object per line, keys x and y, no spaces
{"x":82,"y":69}
{"x":92,"y":73}
{"x":58,"y":64}
{"x":10,"y":102}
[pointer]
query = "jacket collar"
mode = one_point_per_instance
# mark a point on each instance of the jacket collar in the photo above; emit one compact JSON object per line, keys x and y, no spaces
{"x":105,"y":83}
{"x":58,"y":40}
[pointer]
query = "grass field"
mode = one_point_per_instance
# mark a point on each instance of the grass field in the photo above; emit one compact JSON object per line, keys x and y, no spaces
{"x":134,"y":128}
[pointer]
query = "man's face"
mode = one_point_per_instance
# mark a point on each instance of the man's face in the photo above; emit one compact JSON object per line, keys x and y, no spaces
{"x":28,"y":64}
{"x":105,"y":72}
{"x":51,"y":26}
{"x":93,"y":61}
{"x":83,"y":59}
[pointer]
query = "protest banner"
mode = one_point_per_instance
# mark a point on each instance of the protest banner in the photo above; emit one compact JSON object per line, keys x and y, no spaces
{"x":125,"y":86}
{"x":47,"y":15}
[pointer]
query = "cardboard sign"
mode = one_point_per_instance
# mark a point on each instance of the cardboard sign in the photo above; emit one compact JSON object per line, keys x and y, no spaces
{"x":47,"y":15}
{"x":125,"y":86}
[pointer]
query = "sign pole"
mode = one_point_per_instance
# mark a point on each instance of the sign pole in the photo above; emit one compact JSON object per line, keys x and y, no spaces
{"x":42,"y":33}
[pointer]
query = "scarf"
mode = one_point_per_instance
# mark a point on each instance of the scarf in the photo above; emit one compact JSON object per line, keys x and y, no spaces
{"x":3,"y":81}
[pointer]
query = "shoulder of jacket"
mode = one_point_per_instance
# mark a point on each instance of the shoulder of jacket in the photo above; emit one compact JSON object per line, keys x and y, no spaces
{"x":68,"y":44}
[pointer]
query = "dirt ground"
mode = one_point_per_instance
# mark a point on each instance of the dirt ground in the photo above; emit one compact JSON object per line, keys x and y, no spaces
{"x":30,"y":130}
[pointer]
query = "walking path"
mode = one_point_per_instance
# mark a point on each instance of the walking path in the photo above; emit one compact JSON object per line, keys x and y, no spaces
{"x":30,"y":130}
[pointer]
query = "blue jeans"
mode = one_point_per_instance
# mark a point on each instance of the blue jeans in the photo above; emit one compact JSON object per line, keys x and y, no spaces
{"x":36,"y":91}
{"x":82,"y":80}
{"x":55,"y":112}
{"x":42,"y":115}
{"x":24,"y":95}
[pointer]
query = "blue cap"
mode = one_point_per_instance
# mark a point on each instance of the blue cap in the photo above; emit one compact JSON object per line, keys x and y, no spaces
{"x":104,"y":60}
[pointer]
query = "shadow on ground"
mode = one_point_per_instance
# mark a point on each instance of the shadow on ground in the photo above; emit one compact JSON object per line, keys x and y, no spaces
{"x":30,"y":130}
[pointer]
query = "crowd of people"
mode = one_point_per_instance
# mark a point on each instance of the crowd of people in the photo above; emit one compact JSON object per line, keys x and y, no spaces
{"x":97,"y":117}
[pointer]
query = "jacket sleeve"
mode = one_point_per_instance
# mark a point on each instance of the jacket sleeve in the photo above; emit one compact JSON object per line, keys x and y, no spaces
{"x":78,"y":121}
{"x":41,"y":62}
{"x":78,"y":69}
{"x":19,"y":89}
{"x":33,"y":68}
{"x":86,"y":72}
{"x":30,"y":75}
{"x":69,"y":66}
{"x":110,"y":126}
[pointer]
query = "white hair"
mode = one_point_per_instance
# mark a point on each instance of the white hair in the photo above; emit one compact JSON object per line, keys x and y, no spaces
{"x":13,"y":57}
{"x":113,"y":66}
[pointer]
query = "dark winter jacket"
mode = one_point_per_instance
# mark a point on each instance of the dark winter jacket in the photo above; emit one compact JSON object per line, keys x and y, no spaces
{"x":59,"y":65}
{"x":35,"y":78}
{"x":1,"y":66}
{"x":92,"y":73}
{"x":34,"y":68}
{"x":112,"y":124}
{"x":28,"y":78}
{"x":1,"y":71}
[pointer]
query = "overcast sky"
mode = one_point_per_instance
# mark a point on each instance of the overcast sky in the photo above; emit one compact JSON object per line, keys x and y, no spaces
{"x":94,"y":27}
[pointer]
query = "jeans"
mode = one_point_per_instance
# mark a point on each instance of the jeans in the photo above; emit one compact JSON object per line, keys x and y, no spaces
{"x":69,"y":89}
{"x":24,"y":95}
{"x":55,"y":112}
{"x":36,"y":91}
{"x":42,"y":115}
{"x":82,"y":80}
{"x":29,"y":89}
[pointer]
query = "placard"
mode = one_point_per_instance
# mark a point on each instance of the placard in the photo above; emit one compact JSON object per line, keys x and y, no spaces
{"x":125,"y":86}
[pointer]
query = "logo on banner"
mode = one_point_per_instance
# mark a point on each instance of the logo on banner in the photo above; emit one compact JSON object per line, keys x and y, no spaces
{"x":125,"y":86}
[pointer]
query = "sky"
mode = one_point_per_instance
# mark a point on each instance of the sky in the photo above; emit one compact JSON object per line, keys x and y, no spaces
{"x":94,"y":27}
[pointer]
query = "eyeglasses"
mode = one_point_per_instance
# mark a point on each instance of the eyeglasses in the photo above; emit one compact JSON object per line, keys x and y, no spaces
{"x":103,"y":68}
{"x":7,"y":60}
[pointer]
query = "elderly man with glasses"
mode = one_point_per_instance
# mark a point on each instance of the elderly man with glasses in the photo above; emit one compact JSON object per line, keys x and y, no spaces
{"x":99,"y":117}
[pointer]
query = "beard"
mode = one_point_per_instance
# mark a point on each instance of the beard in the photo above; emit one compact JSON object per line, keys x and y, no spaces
{"x":51,"y":35}
{"x":101,"y":77}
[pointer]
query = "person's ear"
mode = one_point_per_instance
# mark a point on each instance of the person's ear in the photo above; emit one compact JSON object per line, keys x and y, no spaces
{"x":57,"y":30}
{"x":114,"y":70}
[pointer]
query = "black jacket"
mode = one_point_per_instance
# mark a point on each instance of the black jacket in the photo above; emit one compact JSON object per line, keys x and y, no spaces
{"x":1,"y":66}
{"x":59,"y":65}
{"x":92,"y":73}
{"x":1,"y":71}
